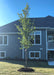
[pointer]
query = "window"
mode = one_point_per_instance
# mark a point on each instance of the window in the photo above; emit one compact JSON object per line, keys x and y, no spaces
{"x":34,"y":55}
{"x":50,"y":38}
{"x":32,"y":39}
{"x":2,"y":54}
{"x":3,"y":40}
{"x":35,"y":37}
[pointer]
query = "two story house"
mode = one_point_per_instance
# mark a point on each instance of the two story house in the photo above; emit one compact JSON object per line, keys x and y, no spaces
{"x":43,"y":42}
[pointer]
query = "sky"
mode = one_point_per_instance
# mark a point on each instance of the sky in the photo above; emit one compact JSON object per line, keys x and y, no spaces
{"x":38,"y":8}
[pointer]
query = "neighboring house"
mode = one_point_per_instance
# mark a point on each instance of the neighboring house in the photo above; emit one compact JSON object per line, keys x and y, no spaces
{"x":43,"y":42}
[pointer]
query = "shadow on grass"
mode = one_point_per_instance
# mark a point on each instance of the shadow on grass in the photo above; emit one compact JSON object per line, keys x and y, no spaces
{"x":34,"y":63}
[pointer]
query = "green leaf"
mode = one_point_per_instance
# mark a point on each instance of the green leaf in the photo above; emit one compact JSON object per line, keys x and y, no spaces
{"x":25,"y":28}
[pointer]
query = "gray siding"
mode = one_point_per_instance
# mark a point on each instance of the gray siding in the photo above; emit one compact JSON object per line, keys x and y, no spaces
{"x":50,"y":45}
{"x":37,"y":47}
{"x":12,"y":49}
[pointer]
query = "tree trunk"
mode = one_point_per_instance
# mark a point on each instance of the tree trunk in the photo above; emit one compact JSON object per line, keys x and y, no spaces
{"x":26,"y":58}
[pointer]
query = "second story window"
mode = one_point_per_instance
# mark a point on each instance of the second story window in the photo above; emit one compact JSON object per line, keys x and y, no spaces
{"x":32,"y":39}
{"x":35,"y":37}
{"x":3,"y":40}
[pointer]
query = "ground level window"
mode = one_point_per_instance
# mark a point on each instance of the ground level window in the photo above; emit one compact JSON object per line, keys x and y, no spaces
{"x":34,"y":54}
{"x":37,"y":54}
{"x":2,"y":54}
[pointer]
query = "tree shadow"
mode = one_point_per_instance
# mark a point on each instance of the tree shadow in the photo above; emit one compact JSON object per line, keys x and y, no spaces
{"x":30,"y":63}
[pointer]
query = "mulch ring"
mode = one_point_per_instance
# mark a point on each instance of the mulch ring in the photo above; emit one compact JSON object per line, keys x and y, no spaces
{"x":26,"y":70}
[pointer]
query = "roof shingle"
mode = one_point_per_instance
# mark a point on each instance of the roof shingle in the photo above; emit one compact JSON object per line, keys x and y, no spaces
{"x":38,"y":22}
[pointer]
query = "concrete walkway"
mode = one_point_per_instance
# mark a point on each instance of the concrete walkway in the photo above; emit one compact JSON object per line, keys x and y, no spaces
{"x":51,"y":63}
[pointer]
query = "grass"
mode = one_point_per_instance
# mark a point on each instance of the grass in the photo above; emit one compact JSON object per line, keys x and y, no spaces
{"x":10,"y":67}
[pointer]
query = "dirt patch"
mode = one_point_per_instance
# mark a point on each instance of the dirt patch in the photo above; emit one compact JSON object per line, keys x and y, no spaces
{"x":26,"y":70}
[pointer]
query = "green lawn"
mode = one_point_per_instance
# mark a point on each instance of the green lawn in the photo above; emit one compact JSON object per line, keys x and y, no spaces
{"x":10,"y":67}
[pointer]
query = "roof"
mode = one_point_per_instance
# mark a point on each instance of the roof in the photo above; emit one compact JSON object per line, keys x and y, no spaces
{"x":47,"y":21}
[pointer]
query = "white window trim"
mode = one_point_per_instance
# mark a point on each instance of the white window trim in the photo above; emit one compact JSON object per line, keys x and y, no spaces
{"x":50,"y":49}
{"x":3,"y":40}
{"x":35,"y":57}
{"x":5,"y":54}
{"x":50,"y":40}
{"x":40,"y":38}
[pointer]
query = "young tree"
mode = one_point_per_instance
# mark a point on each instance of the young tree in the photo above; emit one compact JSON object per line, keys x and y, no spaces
{"x":25,"y":28}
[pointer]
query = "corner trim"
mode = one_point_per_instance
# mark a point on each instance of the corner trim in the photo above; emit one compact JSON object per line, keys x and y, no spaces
{"x":46,"y":45}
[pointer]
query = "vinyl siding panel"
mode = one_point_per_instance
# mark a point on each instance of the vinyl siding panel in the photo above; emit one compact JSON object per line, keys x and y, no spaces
{"x":12,"y":49}
{"x":37,"y":47}
{"x":50,"y":45}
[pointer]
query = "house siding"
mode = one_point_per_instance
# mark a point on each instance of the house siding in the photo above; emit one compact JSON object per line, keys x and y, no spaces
{"x":37,"y":47}
{"x":50,"y":45}
{"x":12,"y":49}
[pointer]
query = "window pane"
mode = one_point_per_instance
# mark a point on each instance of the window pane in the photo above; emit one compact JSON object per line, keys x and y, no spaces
{"x":2,"y":54}
{"x":5,"y":39}
{"x":37,"y":39}
{"x":51,"y":38}
{"x":32,"y":39}
{"x":0,"y":39}
{"x":32,"y":54}
{"x":37,"y":54}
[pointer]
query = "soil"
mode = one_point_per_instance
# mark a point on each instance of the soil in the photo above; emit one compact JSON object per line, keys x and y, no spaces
{"x":26,"y":70}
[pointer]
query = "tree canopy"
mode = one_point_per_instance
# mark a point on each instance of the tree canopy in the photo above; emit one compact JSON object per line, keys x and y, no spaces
{"x":25,"y":28}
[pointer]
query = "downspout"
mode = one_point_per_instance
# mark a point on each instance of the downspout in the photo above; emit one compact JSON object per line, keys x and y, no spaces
{"x":46,"y":45}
